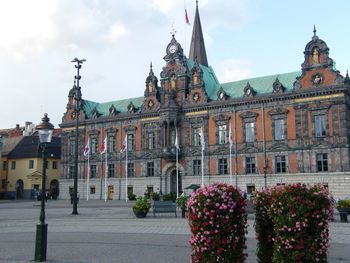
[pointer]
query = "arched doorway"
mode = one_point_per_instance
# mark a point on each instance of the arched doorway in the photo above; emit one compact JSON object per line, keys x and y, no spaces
{"x":54,"y":189}
{"x":19,"y":189}
{"x":173,"y":181}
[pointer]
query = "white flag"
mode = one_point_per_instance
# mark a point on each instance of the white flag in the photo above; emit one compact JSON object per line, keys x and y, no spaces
{"x":104,"y":146}
{"x":125,"y":144}
{"x":87,"y":148}
{"x":230,"y":135}
{"x":201,"y":134}
{"x":176,"y":144}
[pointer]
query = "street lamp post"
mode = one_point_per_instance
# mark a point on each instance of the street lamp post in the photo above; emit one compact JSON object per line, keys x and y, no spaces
{"x":77,"y":100}
{"x":45,"y":130}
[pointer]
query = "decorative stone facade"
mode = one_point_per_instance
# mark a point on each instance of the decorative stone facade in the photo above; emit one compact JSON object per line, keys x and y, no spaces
{"x":285,"y":128}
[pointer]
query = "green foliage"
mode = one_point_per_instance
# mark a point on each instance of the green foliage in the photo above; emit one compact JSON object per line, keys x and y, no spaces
{"x":131,"y":196}
{"x":218,"y":223}
{"x":142,"y":205}
{"x":169,"y":197}
{"x":155,"y":196}
{"x":299,"y":216}
{"x":181,"y":201}
{"x":343,"y":204}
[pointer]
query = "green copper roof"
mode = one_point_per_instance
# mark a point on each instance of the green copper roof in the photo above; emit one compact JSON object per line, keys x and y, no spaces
{"x":260,"y":84}
{"x":103,"y":108}
{"x":233,"y":89}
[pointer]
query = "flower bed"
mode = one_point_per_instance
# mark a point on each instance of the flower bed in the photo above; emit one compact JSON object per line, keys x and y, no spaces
{"x":218,"y":223}
{"x":300,"y":216}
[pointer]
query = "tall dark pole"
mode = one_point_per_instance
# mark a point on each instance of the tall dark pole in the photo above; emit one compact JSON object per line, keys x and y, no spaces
{"x":45,"y":134}
{"x":77,"y":99}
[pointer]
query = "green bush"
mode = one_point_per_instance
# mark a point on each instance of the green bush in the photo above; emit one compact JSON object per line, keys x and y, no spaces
{"x":131,"y":196}
{"x":343,"y":204}
{"x":181,"y":201}
{"x":169,"y":197}
{"x":142,"y":205}
{"x":155,"y":196}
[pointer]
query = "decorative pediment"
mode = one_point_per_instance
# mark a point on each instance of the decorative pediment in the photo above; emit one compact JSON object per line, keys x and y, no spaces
{"x":221,"y":150}
{"x":250,"y":149}
{"x":130,"y":128}
{"x":221,"y":94}
{"x":278,"y":87}
{"x":249,"y":91}
{"x":131,"y":107}
{"x":249,"y":115}
{"x":279,"y":146}
{"x":95,"y":114}
{"x":221,"y":117}
{"x":278,"y":111}
{"x":112,"y":111}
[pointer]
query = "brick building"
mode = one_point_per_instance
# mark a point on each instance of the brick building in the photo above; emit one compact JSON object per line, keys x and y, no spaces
{"x":290,"y":127}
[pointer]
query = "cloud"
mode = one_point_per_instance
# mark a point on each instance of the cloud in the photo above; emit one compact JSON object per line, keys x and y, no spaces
{"x":234,"y":69}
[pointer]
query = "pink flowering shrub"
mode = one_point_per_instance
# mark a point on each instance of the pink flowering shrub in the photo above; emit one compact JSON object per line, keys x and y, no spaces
{"x":218,"y":223}
{"x":263,"y":227}
{"x":300,"y":216}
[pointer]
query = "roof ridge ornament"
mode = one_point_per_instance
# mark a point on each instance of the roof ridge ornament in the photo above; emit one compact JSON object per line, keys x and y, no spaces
{"x":315,"y":36}
{"x":173,"y":30}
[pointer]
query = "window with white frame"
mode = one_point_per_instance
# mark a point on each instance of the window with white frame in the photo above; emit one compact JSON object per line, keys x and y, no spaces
{"x":222,"y":166}
{"x":151,"y":140}
{"x":279,"y":129}
{"x":131,"y":142}
{"x":322,"y":162}
{"x":111,"y":143}
{"x":197,"y":167}
{"x":250,"y":166}
{"x":320,"y":125}
{"x":150,"y":168}
{"x":111,"y":170}
{"x":223,"y":134}
{"x":281,"y":164}
{"x":196,"y":137}
{"x":131,"y":170}
{"x":249,"y":131}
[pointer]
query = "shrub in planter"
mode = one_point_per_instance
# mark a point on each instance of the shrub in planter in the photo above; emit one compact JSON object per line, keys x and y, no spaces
{"x":131,"y":196}
{"x":300,"y":215}
{"x":218,"y":223}
{"x":181,"y":203}
{"x":155,"y":196}
{"x":141,"y":207}
{"x":263,"y":226}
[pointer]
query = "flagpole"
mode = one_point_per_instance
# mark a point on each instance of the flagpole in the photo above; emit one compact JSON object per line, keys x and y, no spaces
{"x":106,"y":173}
{"x":236,"y":157}
{"x":126,"y":174}
{"x":231,"y":181}
{"x":88,"y":178}
{"x":202,"y":166}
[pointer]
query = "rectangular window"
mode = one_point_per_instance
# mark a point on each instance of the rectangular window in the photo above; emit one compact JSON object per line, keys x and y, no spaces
{"x":250,"y":166}
{"x":71,"y":172}
{"x":111,"y":144}
{"x":4,"y":165}
{"x":196,"y":138}
{"x":54,"y":165}
{"x":13,"y":165}
{"x":223,"y":135}
{"x":150,"y":168}
{"x":111,"y":170}
{"x":279,"y":129}
{"x":94,"y":145}
{"x":92,"y":190}
{"x":197,"y":167}
{"x":320,"y":125}
{"x":93,"y":171}
{"x":151,"y":142}
{"x":322,"y":162}
{"x":281,"y":166}
{"x":130,"y":190}
{"x":223,"y":166}
{"x":172,"y":136}
{"x":131,"y":142}
{"x":31,"y":164}
{"x":3,"y":183}
{"x":72,"y":147}
{"x":131,"y":170}
{"x":249,"y":132}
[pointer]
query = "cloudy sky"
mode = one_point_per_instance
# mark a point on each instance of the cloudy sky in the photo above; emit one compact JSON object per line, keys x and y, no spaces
{"x":119,"y":39}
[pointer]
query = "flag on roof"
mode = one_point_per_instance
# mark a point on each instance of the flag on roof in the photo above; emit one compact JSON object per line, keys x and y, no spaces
{"x":186,"y":17}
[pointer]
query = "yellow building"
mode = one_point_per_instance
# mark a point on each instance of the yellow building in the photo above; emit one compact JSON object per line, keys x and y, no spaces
{"x":24,"y":168}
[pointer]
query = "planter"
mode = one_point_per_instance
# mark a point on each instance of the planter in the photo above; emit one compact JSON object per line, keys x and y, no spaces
{"x":140,"y":214}
{"x":343,"y":213}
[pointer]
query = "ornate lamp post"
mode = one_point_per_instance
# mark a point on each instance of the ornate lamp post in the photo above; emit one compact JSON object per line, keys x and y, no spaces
{"x":45,"y":129}
{"x":77,"y":102}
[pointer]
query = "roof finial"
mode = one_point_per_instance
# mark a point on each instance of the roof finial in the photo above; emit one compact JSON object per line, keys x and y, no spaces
{"x":173,"y":30}
{"x":196,"y":3}
{"x":314,"y":30}
{"x":151,"y":65}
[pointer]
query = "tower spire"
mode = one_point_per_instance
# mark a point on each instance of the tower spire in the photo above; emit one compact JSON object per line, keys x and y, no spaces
{"x":197,"y":48}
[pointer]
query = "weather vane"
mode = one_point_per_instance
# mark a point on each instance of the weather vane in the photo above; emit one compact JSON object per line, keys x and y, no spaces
{"x":173,"y":29}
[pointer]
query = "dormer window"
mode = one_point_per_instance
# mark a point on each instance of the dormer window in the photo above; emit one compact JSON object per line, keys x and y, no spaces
{"x":249,"y":91}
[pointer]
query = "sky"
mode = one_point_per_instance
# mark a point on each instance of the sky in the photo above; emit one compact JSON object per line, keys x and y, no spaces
{"x":119,"y":39}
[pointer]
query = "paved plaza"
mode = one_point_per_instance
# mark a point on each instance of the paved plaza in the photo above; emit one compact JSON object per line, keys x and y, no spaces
{"x":109,"y":232}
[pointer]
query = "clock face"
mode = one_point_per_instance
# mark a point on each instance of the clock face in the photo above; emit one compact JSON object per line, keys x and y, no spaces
{"x":172,"y":49}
